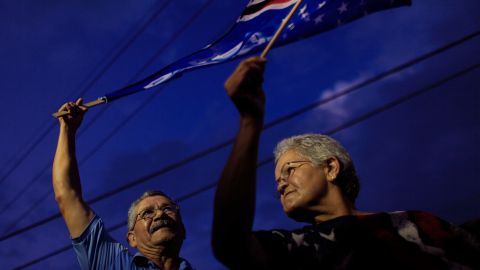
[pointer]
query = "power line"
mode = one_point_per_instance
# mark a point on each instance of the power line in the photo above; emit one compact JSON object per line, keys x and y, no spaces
{"x":99,"y":145}
{"x":380,"y":76}
{"x":14,"y":159}
{"x":155,"y":56}
{"x":103,"y":110}
{"x":281,"y":119}
{"x":28,"y":152}
{"x":112,"y":228}
{"x":268,"y":125}
{"x":90,"y":84}
{"x":346,"y":125}
{"x":277,"y":121}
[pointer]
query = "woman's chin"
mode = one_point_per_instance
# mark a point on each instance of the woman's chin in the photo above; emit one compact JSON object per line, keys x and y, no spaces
{"x":296,"y":213}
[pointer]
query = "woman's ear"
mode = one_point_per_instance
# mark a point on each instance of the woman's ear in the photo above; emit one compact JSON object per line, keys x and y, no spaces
{"x":332,"y":169}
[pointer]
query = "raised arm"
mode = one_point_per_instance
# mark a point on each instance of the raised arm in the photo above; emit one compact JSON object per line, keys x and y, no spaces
{"x":232,"y":240}
{"x":66,"y":178}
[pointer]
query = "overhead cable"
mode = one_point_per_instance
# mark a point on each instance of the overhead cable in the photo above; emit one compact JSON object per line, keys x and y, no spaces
{"x":277,"y":121}
{"x":89,"y":85}
{"x":100,"y":144}
{"x":330,"y":132}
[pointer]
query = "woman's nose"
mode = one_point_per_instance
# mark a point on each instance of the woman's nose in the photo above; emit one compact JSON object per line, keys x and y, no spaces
{"x":282,"y":185}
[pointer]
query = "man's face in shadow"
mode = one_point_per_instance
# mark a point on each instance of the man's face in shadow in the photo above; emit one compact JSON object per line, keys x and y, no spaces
{"x":158,"y":225}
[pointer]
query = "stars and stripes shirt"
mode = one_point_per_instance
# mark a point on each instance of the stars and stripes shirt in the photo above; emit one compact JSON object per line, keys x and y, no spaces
{"x":397,"y":240}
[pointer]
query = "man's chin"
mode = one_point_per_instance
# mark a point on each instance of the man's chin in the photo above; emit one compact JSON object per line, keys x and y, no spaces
{"x":164,"y":230}
{"x":163,"y":235}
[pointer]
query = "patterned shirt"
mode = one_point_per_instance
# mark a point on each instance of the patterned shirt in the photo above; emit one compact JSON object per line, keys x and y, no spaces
{"x":96,"y":249}
{"x":398,"y":240}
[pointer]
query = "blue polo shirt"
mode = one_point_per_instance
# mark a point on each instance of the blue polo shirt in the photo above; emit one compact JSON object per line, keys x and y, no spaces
{"x":96,"y":249}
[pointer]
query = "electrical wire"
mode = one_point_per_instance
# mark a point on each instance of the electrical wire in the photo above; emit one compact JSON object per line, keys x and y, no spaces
{"x":100,"y":144}
{"x":344,"y":126}
{"x":277,"y":121}
{"x":89,"y":85}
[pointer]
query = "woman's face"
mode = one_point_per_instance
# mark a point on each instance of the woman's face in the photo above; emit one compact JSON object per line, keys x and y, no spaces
{"x":300,"y":183}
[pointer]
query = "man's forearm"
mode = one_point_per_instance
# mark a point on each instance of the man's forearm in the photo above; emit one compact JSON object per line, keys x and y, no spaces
{"x":66,"y":179}
{"x":66,"y":184}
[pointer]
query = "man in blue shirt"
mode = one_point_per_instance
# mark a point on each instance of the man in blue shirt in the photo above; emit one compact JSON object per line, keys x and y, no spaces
{"x":155,"y":225}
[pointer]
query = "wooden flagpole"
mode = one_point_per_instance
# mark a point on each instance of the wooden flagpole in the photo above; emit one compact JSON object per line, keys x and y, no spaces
{"x":90,"y":104}
{"x":280,"y":29}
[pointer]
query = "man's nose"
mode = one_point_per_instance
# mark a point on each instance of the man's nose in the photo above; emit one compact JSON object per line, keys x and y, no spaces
{"x":158,"y":214}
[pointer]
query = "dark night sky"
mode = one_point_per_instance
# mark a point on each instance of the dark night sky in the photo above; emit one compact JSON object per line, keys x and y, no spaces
{"x":420,"y":154}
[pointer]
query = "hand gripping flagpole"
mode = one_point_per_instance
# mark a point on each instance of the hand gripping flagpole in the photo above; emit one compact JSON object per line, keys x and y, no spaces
{"x":280,"y":29}
{"x":100,"y":100}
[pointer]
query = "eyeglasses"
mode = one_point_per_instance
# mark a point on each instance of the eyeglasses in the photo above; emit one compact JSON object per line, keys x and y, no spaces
{"x":288,"y":169}
{"x":151,"y":212}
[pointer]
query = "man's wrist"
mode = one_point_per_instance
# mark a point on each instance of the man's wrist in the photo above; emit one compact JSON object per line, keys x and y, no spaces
{"x":67,"y":129}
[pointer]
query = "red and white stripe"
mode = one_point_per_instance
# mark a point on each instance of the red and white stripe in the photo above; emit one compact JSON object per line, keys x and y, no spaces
{"x":269,"y":5}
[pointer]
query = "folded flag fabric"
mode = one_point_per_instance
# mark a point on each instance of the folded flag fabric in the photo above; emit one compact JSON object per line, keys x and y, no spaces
{"x":256,"y":26}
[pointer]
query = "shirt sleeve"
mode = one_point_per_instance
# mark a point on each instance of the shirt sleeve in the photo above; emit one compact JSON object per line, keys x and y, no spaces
{"x":458,"y":245}
{"x":96,"y":249}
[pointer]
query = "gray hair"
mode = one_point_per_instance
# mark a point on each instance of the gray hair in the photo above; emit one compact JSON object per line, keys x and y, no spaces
{"x":132,"y":213}
{"x":318,"y":149}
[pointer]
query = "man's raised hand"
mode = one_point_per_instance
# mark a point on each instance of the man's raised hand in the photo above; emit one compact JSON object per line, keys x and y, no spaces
{"x":74,"y":118}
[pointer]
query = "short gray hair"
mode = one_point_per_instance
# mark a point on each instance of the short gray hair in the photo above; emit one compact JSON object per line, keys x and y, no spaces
{"x":318,"y":149}
{"x":132,"y":213}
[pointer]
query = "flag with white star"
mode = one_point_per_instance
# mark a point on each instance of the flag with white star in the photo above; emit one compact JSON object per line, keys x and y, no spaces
{"x":256,"y":26}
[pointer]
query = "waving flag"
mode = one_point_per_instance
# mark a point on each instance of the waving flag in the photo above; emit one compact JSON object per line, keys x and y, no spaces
{"x":256,"y":26}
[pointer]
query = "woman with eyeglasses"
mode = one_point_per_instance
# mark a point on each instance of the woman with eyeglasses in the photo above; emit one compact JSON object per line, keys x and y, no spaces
{"x":317,"y":184}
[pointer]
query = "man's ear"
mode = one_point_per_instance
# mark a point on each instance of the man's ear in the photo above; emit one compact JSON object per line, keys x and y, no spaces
{"x":132,"y":239}
{"x":183,"y":232}
{"x":332,"y":169}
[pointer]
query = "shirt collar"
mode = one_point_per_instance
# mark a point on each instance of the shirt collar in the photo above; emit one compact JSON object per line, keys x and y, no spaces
{"x":140,"y":260}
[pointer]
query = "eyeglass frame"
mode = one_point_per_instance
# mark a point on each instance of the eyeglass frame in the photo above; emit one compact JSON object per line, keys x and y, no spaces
{"x":284,"y":175}
{"x":175,"y":210}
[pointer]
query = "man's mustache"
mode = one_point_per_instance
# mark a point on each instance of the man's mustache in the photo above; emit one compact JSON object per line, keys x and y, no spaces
{"x":165,"y":222}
